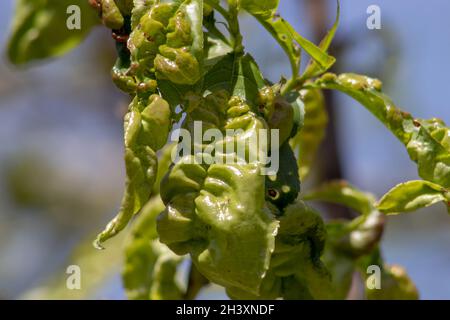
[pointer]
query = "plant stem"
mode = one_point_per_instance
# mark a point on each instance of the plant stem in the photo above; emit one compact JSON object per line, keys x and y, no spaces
{"x":216,"y":6}
{"x":195,"y":283}
{"x":233,"y":21}
{"x":290,"y":85}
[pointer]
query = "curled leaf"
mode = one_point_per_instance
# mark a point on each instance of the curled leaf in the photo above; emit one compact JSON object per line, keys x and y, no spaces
{"x":147,"y":126}
{"x":262,"y":8}
{"x":411,"y":196}
{"x":111,"y":16}
{"x":426,"y":140}
{"x":307,"y":141}
{"x":296,"y":271}
{"x":211,"y":212}
{"x":282,"y":118}
{"x":181,"y":59}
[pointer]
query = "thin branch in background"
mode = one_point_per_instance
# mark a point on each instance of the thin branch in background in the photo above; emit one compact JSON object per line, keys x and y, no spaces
{"x":329,"y":162}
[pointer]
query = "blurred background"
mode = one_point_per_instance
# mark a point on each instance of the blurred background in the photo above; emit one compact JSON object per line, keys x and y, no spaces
{"x":61,"y":166}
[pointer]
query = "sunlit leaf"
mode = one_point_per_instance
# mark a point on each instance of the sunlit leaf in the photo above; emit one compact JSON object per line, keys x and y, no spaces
{"x":307,"y":141}
{"x":413,"y":195}
{"x":147,"y":126}
{"x":314,"y":69}
{"x":262,"y":8}
{"x":426,"y":140}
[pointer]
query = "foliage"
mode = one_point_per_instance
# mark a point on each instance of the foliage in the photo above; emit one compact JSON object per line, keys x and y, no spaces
{"x":256,"y":236}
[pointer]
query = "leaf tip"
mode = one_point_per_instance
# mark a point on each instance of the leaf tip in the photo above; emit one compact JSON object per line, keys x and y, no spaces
{"x":98,"y":243}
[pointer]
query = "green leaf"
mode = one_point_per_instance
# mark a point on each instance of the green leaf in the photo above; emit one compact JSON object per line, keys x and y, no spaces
{"x":237,"y":74}
{"x":180,"y":60}
{"x":262,"y":8}
{"x":174,"y":94}
{"x":314,"y":69}
{"x":111,"y":15}
{"x":357,"y":236}
{"x":164,"y":163}
{"x":342,"y":193}
{"x":425,"y":140}
{"x":40,"y":31}
{"x":150,"y":267}
{"x":413,"y":195}
{"x":279,"y":32}
{"x":296,"y":271}
{"x":216,"y":48}
{"x":213,"y":215}
{"x":211,"y":212}
{"x":306,"y":142}
{"x":341,"y":267}
{"x":140,"y":7}
{"x":165,"y":285}
{"x":147,"y":126}
{"x":286,"y":35}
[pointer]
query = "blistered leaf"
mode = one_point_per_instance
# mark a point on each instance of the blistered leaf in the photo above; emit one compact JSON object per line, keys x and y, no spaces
{"x":181,"y":59}
{"x":166,"y":44}
{"x":413,"y":195}
{"x":177,"y":66}
{"x":140,"y":7}
{"x":426,"y":142}
{"x":213,"y":215}
{"x":349,"y":242}
{"x":367,"y":235}
{"x":306,"y":142}
{"x":147,"y":126}
{"x":211,"y":212}
{"x":111,"y":15}
{"x":40,"y":28}
{"x":296,"y":271}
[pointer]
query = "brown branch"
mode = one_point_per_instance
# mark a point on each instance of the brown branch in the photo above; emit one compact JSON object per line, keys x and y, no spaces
{"x":330,"y":166}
